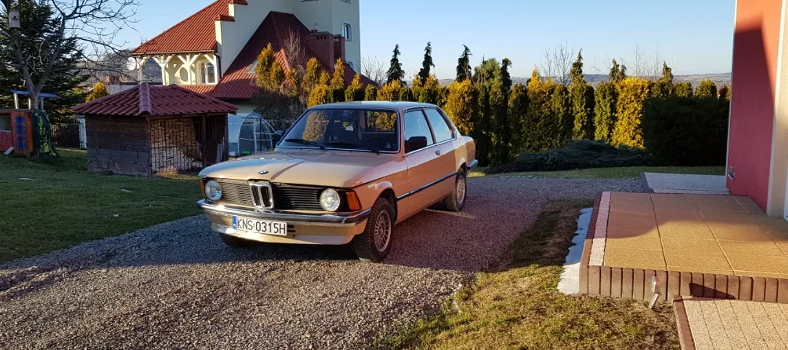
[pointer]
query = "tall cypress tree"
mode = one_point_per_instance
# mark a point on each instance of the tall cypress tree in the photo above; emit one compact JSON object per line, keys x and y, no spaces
{"x":617,"y":73}
{"x":506,"y":77}
{"x":464,"y":65}
{"x":427,"y":64}
{"x":395,"y":71}
{"x":582,"y":100}
{"x":664,"y":86}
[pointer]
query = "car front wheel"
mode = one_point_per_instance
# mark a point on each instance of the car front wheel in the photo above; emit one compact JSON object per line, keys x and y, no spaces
{"x":456,"y":200}
{"x":375,"y":243}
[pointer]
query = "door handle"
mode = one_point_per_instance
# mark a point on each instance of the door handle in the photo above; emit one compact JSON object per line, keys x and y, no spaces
{"x":438,"y":152}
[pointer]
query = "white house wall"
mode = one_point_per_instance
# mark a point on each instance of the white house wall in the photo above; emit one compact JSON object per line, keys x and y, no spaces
{"x":315,"y":15}
{"x":348,"y":12}
{"x":231,"y":37}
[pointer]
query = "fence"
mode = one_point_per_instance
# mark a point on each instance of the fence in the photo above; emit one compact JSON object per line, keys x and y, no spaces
{"x":66,"y":135}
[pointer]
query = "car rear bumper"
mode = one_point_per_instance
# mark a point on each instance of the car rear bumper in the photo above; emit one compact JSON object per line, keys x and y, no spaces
{"x":328,"y":229}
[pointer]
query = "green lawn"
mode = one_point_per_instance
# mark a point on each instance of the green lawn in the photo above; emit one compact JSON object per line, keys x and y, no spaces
{"x":517,"y":305}
{"x":54,"y":204}
{"x":610,"y":173}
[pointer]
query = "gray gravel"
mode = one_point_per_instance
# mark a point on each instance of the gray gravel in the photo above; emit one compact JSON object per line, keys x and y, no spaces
{"x":177,"y":286}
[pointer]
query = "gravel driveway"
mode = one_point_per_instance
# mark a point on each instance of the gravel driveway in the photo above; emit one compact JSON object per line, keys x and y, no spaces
{"x":177,"y":286}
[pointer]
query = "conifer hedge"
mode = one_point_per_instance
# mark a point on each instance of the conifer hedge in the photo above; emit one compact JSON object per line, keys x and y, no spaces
{"x":632,"y":92}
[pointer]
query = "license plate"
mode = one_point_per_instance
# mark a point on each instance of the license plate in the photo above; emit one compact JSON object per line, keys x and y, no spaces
{"x":265,"y":227}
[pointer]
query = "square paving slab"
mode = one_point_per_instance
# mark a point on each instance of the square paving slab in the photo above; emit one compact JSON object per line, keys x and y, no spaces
{"x":722,"y":324}
{"x":717,"y":234}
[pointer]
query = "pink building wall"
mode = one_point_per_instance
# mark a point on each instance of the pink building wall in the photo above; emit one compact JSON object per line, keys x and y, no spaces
{"x":755,"y":52}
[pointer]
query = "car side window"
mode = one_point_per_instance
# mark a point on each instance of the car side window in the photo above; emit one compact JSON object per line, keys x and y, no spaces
{"x":439,"y":126}
{"x":417,"y":131}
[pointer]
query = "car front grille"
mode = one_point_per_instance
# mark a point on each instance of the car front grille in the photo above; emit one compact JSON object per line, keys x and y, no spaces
{"x":291,"y":197}
{"x":286,"y":197}
{"x":236,"y":193}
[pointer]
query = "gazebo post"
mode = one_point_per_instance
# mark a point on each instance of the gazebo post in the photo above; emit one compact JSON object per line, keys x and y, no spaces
{"x":204,"y":140}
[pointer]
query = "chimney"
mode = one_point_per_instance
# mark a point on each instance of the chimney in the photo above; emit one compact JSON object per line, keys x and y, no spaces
{"x":339,"y":48}
{"x":322,"y":44}
{"x":112,"y":80}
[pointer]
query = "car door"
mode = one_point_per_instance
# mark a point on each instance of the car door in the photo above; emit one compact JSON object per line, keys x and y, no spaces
{"x":422,"y":162}
{"x":444,"y":140}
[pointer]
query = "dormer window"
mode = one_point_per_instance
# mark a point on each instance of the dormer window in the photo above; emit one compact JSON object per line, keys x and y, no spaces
{"x":347,"y":31}
{"x":208,"y":73}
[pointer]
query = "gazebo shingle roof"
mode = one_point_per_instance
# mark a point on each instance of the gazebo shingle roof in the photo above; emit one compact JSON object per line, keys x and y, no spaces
{"x":154,"y":101}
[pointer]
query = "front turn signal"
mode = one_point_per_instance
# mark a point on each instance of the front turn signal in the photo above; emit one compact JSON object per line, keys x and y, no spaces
{"x":353,"y":203}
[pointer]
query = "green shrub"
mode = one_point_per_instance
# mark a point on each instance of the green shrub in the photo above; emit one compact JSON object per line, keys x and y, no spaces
{"x":371,"y":93}
{"x":686,"y":131}
{"x":482,"y":122}
{"x":461,"y":105}
{"x":683,"y":89}
{"x":576,"y":155}
{"x":629,"y":112}
{"x":559,"y":129}
{"x":518,"y":110}
{"x":605,"y":98}
{"x":582,"y":96}
{"x":501,"y":125}
{"x":706,"y":89}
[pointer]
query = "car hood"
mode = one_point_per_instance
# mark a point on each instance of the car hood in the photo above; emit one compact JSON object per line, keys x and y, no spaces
{"x":306,"y":167}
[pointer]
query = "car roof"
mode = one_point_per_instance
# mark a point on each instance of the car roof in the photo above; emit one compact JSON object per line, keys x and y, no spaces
{"x":397,"y":105}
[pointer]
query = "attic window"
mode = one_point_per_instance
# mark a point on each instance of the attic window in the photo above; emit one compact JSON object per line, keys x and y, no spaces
{"x":208,"y":73}
{"x":347,"y":31}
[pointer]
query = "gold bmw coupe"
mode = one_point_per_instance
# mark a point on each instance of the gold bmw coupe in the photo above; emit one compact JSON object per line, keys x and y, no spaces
{"x":343,"y":173}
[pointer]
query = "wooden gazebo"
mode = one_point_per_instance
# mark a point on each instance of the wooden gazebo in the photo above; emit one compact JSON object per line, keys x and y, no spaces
{"x":153,"y":129}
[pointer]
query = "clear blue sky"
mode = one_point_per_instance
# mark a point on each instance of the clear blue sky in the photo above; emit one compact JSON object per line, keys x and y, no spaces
{"x":693,"y":36}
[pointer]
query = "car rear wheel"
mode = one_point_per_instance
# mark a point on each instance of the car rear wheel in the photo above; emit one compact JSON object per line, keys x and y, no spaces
{"x":235,"y":242}
{"x":375,"y":243}
{"x":456,"y":200}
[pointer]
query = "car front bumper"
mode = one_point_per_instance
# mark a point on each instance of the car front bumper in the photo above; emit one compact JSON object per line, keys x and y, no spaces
{"x":328,"y":229}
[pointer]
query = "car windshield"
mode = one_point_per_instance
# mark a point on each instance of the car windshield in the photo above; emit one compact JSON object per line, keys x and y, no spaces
{"x":345,"y":129}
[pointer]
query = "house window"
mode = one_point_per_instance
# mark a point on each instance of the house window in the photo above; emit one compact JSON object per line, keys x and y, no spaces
{"x":347,"y":31}
{"x":208,"y":73}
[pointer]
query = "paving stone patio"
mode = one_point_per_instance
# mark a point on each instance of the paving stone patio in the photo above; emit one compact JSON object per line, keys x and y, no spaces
{"x":695,"y":233}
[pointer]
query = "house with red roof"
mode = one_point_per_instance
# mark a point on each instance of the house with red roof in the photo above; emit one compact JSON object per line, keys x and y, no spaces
{"x":214,"y":51}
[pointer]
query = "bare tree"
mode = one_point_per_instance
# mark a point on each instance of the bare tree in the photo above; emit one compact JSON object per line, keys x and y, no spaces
{"x":558,"y":62}
{"x":373,"y":69}
{"x":643,"y":66}
{"x":295,"y":50}
{"x":94,"y":24}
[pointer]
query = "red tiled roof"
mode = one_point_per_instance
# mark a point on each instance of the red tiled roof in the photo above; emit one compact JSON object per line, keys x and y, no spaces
{"x":204,"y":89}
{"x":239,"y":81}
{"x":197,"y":33}
{"x":155,"y":100}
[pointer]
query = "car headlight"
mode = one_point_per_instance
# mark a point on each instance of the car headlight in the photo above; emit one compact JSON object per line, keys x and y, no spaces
{"x":213,"y":190}
{"x":329,"y":200}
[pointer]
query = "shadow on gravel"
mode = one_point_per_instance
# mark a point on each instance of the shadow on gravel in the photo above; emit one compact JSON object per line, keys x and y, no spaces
{"x":497,"y":211}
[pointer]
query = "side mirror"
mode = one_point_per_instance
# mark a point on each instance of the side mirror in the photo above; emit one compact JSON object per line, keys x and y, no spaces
{"x":415,"y":143}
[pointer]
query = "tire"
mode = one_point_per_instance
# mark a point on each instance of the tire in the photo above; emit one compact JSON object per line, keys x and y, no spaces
{"x":368,"y":245}
{"x":235,"y":242}
{"x":456,"y":200}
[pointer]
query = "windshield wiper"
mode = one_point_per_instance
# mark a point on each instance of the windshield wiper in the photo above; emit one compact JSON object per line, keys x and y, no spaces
{"x":351,"y":145}
{"x":306,"y":143}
